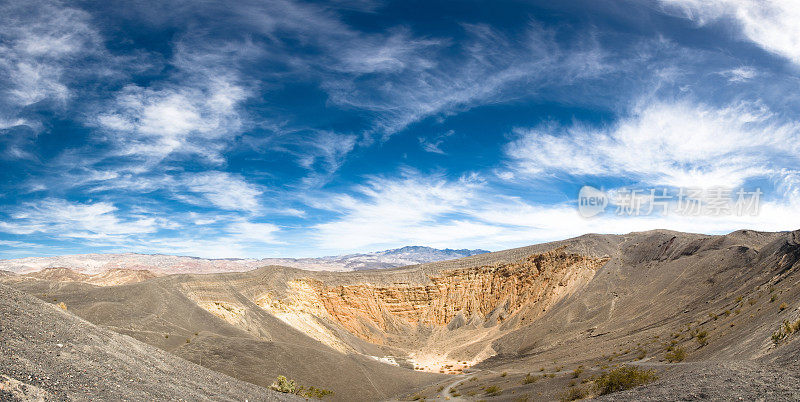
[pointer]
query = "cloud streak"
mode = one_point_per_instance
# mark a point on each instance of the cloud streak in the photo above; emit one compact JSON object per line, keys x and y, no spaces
{"x":771,"y":24}
{"x":679,"y":144}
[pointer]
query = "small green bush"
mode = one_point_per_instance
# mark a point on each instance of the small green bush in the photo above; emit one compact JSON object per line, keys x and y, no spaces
{"x":314,"y":392}
{"x":529,"y":379}
{"x":677,"y":354}
{"x":622,"y":378}
{"x":574,"y":394}
{"x":577,"y":372}
{"x":283,"y":384}
{"x":287,"y":386}
{"x":702,"y":338}
{"x":492,"y":390}
{"x":785,"y":330}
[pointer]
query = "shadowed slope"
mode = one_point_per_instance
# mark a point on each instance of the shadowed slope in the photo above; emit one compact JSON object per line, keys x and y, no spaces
{"x":51,"y":354}
{"x":258,"y":350}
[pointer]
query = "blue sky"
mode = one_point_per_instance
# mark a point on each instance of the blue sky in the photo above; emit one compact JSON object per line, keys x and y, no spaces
{"x":288,"y":128}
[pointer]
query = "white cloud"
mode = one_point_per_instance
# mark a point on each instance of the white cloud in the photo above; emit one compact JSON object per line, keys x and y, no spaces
{"x":67,"y":219}
{"x":246,"y":231}
{"x":403,"y":211}
{"x":423,"y":84}
{"x":678,"y":144}
{"x":433,"y":145}
{"x":331,"y":148}
{"x":740,"y":74}
{"x":223,"y":190}
{"x":420,"y":209}
{"x":38,"y":41}
{"x":771,"y":24}
{"x":187,"y":119}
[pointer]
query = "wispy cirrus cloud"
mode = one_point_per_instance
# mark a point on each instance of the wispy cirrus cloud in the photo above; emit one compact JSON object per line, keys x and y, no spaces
{"x":190,"y":120}
{"x":75,"y":220}
{"x":40,"y":40}
{"x":433,"y":144}
{"x":432,"y":209}
{"x":488,"y":65}
{"x":222,"y":190}
{"x":679,"y":143}
{"x":771,"y":24}
{"x":404,"y":210}
{"x":105,"y":226}
{"x":196,"y":110}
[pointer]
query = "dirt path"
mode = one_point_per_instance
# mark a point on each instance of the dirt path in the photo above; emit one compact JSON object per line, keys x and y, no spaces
{"x":445,"y":393}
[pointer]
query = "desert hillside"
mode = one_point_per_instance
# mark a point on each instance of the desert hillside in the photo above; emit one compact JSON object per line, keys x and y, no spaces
{"x":536,"y":322}
{"x":49,"y":354}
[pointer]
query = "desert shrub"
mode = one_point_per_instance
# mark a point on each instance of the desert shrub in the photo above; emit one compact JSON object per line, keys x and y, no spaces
{"x":287,"y":386}
{"x":314,"y":392}
{"x":62,"y":306}
{"x":504,"y":374}
{"x":773,"y":298}
{"x":677,"y":354}
{"x":529,"y":379}
{"x":283,"y":384}
{"x":641,"y":355}
{"x":702,"y":338}
{"x":574,"y":394}
{"x":492,"y":390}
{"x":783,"y":306}
{"x":577,"y":372}
{"x":622,"y":378}
{"x":785,"y":330}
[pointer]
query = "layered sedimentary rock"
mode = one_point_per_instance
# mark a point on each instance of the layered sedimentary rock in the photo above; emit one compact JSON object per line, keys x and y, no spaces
{"x":493,"y":292}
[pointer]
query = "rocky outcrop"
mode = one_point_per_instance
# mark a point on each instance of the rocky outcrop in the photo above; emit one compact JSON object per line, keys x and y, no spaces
{"x":492,"y":293}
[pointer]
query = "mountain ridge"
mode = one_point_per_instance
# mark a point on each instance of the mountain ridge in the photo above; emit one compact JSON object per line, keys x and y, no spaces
{"x":161,"y":264}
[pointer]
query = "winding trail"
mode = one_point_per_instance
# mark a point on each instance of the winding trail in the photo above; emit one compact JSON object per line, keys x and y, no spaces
{"x":445,"y":393}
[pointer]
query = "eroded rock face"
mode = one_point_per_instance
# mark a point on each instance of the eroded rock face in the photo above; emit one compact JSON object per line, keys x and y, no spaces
{"x":492,"y":293}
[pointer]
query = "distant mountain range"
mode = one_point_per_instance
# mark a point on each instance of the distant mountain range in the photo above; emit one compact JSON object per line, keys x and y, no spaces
{"x":170,"y":264}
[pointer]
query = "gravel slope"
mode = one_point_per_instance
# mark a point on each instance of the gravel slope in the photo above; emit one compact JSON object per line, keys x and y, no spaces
{"x":49,"y":354}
